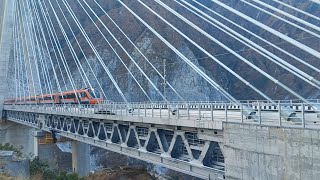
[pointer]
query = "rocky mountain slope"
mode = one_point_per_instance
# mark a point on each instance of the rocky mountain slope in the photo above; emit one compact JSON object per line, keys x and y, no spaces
{"x":181,"y":76}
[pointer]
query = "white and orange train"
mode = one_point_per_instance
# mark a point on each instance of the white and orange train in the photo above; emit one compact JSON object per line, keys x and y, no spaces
{"x":83,"y":96}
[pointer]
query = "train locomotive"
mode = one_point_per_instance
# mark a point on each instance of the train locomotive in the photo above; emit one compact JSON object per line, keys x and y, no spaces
{"x":82,"y":96}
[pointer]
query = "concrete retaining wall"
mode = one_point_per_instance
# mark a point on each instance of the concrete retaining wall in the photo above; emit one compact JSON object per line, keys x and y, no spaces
{"x":257,"y":152}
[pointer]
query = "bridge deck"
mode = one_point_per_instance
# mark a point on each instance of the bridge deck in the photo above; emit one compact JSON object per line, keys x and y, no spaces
{"x":207,"y":116}
{"x":151,"y":132}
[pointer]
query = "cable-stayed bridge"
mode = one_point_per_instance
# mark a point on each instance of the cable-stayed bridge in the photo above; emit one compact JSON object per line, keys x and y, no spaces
{"x":56,"y":77}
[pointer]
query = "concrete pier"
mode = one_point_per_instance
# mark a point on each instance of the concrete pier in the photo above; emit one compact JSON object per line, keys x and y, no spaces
{"x":80,"y":158}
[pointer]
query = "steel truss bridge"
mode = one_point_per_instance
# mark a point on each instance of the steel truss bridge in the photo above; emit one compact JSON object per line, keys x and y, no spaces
{"x":48,"y":49}
{"x":184,"y":137}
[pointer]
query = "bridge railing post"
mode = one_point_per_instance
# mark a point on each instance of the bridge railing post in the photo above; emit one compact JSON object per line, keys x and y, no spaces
{"x":168,"y":107}
{"x":241,"y":112}
{"x":199,"y":111}
{"x":160,"y":109}
{"x":145,"y":110}
{"x":188,"y":111}
{"x":226,"y":111}
{"x":303,"y":115}
{"x":279,"y":113}
{"x":152,"y":110}
{"x":87,"y":108}
{"x":178,"y":111}
{"x":92,"y":108}
{"x":259,"y":112}
{"x":211,"y":108}
{"x":126,"y":109}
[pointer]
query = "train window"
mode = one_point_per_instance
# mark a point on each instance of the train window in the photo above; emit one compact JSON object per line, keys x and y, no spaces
{"x":69,"y":96}
{"x":83,"y":95}
{"x":47,"y":98}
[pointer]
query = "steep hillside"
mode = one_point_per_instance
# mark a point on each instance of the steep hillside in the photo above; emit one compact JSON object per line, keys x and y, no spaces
{"x":181,"y":76}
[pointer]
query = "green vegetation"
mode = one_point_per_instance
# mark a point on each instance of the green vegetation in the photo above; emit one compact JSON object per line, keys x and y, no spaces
{"x":40,"y":170}
{"x":8,"y":147}
{"x":173,"y":177}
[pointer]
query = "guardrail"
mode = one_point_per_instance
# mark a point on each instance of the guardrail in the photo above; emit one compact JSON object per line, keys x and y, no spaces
{"x":292,"y":101}
{"x":282,"y":114}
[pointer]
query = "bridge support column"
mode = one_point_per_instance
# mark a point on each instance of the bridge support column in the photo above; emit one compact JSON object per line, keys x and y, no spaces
{"x":36,"y":136}
{"x":80,"y":158}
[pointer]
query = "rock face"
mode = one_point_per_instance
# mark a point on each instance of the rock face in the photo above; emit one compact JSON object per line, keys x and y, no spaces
{"x":13,"y":166}
{"x":190,"y":85}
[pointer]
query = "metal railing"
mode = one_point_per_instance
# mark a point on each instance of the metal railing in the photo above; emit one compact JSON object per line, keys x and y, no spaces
{"x":285,"y":114}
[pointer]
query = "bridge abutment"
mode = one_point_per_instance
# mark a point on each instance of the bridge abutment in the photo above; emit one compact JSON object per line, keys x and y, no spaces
{"x":262,"y":152}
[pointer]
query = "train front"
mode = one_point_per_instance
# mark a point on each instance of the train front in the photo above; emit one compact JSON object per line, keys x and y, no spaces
{"x":95,"y":97}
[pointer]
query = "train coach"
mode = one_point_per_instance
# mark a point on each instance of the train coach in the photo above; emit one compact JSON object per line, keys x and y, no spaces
{"x":82,"y":96}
